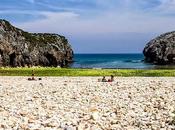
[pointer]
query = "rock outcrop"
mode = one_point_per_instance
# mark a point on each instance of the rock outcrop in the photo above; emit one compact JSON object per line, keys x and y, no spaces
{"x":161,"y":50}
{"x":19,"y":48}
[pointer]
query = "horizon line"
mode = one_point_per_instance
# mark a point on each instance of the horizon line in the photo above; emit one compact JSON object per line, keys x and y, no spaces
{"x":108,"y":53}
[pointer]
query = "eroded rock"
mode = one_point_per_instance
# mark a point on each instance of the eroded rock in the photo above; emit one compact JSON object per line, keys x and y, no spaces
{"x":161,"y":50}
{"x":19,"y":48}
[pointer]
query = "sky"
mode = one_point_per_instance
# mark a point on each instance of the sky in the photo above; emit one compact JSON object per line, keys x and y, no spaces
{"x":94,"y":26}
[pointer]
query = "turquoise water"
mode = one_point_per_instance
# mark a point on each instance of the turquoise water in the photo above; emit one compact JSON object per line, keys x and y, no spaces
{"x":110,"y":61}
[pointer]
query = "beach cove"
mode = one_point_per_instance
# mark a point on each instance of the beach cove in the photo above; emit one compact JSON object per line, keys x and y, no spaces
{"x":82,"y":103}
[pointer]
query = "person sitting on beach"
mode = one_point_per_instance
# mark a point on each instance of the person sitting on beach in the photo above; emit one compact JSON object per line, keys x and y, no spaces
{"x":104,"y":79}
{"x":33,"y":75}
{"x":112,"y":79}
{"x":33,"y":78}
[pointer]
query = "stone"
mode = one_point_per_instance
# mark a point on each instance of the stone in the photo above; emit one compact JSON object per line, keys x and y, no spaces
{"x":23,"y":113}
{"x":161,"y":50}
{"x":95,"y":115}
{"x":31,"y":120}
{"x":20,"y":49}
{"x":52,"y":107}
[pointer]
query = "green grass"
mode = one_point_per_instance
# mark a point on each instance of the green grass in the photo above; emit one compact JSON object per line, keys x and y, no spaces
{"x":41,"y":71}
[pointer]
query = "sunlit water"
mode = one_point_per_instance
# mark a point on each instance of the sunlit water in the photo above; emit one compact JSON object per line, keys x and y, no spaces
{"x":110,"y":61}
{"x":121,"y":61}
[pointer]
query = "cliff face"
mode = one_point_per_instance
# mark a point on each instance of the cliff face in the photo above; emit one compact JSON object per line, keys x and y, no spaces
{"x":161,"y":50}
{"x":19,"y":48}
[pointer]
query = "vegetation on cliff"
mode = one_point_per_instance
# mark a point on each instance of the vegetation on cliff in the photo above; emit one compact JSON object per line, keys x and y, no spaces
{"x":19,"y":48}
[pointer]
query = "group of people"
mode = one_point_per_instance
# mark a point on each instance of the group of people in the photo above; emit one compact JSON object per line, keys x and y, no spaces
{"x":105,"y":80}
{"x":100,"y":80}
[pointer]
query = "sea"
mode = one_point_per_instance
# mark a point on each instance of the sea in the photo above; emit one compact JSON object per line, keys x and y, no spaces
{"x":114,"y":61}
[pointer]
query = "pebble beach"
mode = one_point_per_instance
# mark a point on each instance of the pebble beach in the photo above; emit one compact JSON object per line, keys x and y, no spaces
{"x":83,"y":103}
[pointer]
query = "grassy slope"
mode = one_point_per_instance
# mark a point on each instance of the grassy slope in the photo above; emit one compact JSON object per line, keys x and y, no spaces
{"x":83,"y":72}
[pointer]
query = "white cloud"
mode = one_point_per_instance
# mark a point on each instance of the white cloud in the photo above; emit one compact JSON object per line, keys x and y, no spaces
{"x":19,"y":12}
{"x":166,"y":7}
{"x":54,"y":22}
{"x":110,"y":22}
{"x":31,"y":1}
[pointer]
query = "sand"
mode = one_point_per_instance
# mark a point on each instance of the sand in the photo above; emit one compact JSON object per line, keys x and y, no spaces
{"x":82,"y":103}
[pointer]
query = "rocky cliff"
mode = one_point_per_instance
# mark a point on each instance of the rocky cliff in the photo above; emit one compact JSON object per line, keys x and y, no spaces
{"x":19,"y":48}
{"x":161,"y":50}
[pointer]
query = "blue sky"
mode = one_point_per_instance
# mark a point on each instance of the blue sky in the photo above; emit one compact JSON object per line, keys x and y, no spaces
{"x":94,"y":26}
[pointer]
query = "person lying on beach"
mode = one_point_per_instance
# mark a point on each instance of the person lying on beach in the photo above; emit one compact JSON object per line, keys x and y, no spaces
{"x":112,"y":79}
{"x":30,"y":79}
